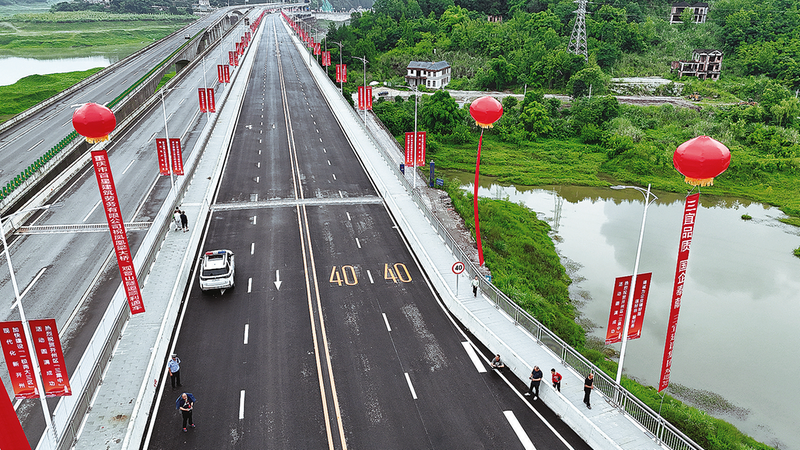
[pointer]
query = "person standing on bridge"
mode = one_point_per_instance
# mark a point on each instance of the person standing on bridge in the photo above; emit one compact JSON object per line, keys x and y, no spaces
{"x":536,"y":378}
{"x":174,"y":366}
{"x":588,"y":385}
{"x":176,"y":217}
{"x":556,"y":380}
{"x":184,"y":222}
{"x":186,"y":404}
{"x":475,"y":285}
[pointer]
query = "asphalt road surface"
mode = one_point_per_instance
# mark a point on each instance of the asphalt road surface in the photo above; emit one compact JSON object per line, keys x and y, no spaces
{"x":332,"y":337}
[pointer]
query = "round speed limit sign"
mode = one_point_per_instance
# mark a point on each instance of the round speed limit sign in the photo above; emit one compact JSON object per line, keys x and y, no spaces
{"x":458,"y":267}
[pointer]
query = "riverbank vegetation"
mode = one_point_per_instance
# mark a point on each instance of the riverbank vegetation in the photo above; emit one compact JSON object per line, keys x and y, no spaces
{"x":34,"y":89}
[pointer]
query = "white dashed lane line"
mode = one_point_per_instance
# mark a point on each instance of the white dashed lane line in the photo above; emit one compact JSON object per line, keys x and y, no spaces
{"x":241,"y":405}
{"x":246,"y":333}
{"x":386,"y":321}
{"x":411,"y":387}
{"x":474,"y":357}
{"x":249,"y":285}
{"x":517,"y":427}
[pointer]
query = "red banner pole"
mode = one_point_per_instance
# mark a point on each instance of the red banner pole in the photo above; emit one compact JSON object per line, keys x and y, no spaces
{"x":475,"y":201}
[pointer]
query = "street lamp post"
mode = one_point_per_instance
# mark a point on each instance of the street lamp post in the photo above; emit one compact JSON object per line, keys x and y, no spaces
{"x":647,"y":201}
{"x":414,"y":164}
{"x":364,"y":60}
{"x":166,"y":132}
{"x":341,"y":85}
{"x":51,"y":431}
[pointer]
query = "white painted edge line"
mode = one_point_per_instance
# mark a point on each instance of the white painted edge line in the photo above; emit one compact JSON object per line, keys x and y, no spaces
{"x":517,"y":427}
{"x":246,"y":333}
{"x":386,"y":321}
{"x":241,"y":405}
{"x":474,"y":357}
{"x":411,"y":387}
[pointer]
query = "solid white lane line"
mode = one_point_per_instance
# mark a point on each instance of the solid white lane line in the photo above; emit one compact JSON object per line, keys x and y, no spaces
{"x":246,"y":333}
{"x":252,"y":247}
{"x":369,"y":274}
{"x":358,"y":243}
{"x":249,"y":285}
{"x":517,"y":427}
{"x":90,"y":212}
{"x":30,"y":285}
{"x":241,"y":405}
{"x":474,"y":357}
{"x":128,"y":167}
{"x":411,"y":387}
{"x":386,"y":321}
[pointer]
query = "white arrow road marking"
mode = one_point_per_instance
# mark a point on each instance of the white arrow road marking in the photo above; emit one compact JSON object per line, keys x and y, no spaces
{"x":278,"y":280}
{"x":512,"y":419}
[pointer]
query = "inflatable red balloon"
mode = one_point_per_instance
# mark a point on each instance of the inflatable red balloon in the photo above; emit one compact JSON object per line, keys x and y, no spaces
{"x":701,"y":159}
{"x":486,"y":111}
{"x":93,"y":121}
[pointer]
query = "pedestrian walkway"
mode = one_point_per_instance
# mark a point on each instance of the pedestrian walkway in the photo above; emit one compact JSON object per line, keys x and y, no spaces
{"x":120,"y":409}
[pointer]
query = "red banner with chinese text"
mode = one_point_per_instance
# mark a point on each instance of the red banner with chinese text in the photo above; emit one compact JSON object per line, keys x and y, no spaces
{"x":421,"y":141}
{"x":687,"y":229}
{"x":18,"y":360}
{"x":108,"y":195}
{"x":176,"y":155}
{"x":201,"y":93}
{"x":11,"y":433}
{"x":163,"y":158}
{"x":341,"y":73}
{"x":226,"y":70}
{"x":51,"y":358}
{"x":220,"y":73}
{"x":317,"y":49}
{"x":212,"y":105}
{"x":409,"y":159}
{"x":326,"y":58}
{"x":616,"y":318}
{"x":230,"y":58}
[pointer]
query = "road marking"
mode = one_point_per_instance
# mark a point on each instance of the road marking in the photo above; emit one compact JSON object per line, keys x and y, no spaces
{"x":411,"y":387}
{"x":128,"y":167}
{"x":30,"y":285}
{"x":65,"y":123}
{"x":386,"y":321}
{"x":241,"y":405}
{"x":358,"y":243}
{"x":320,"y":139}
{"x":278,"y":280}
{"x":258,"y":179}
{"x":369,"y":274}
{"x":252,"y":247}
{"x":334,"y":177}
{"x":517,"y":427}
{"x":246,"y":333}
{"x":474,"y":357}
{"x":34,"y":145}
{"x":329,"y":162}
{"x":258,"y":164}
{"x":348,"y":216}
{"x":249,"y":285}
{"x":323,"y":150}
{"x":254,"y":219}
{"x":90,"y":212}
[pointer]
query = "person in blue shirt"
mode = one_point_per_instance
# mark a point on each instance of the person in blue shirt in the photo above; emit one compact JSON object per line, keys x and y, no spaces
{"x":174,"y":366}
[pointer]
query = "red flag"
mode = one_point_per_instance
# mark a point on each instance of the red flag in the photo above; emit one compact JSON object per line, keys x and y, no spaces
{"x":220,"y":73}
{"x":227,"y":71}
{"x":421,"y":137}
{"x":50,"y":357}
{"x":163,"y":158}
{"x":230,"y":58}
{"x":326,"y":58}
{"x":361,"y":100}
{"x":201,"y":92}
{"x":341,"y":73}
{"x":639,"y":303}
{"x":177,"y":156}
{"x":108,"y":195}
{"x":687,"y":229}
{"x":18,"y":360}
{"x":369,"y":97}
{"x":409,"y":160}
{"x":212,"y":106}
{"x":11,"y":433}
{"x":616,"y":319}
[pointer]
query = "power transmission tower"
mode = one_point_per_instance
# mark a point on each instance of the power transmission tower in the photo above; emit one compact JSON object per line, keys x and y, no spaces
{"x":577,"y":41}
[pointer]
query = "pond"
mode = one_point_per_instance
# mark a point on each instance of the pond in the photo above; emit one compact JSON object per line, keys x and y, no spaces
{"x":740,"y":308}
{"x":12,"y":69}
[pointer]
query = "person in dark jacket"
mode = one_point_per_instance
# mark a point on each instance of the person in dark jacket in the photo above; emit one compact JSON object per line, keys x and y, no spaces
{"x":536,"y":378}
{"x":186,"y":404}
{"x":588,"y":385}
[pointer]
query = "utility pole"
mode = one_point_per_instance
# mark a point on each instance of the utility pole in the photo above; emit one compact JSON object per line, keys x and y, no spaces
{"x":577,"y":41}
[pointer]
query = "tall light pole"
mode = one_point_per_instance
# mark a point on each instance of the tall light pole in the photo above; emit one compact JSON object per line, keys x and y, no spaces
{"x":414,"y":165}
{"x":647,"y":194}
{"x":364,"y":60}
{"x":341,"y":85}
{"x":166,"y":132}
{"x":51,"y":431}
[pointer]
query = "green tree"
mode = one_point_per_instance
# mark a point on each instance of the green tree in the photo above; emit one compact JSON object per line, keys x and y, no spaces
{"x":439,"y":113}
{"x":536,"y":120}
{"x":589,"y":78}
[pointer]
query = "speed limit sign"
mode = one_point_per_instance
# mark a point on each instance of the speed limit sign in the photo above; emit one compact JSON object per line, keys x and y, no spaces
{"x":458,"y":267}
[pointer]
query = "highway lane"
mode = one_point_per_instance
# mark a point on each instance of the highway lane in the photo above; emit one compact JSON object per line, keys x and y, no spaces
{"x":21,"y":145}
{"x":71,"y":276}
{"x":352,"y":349}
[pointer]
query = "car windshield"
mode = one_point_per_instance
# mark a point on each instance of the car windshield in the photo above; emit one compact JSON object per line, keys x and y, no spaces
{"x":216,"y":272}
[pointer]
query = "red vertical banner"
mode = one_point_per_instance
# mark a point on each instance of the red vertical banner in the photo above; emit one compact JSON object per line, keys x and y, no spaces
{"x":163,"y":158}
{"x":177,"y":156}
{"x":226,"y":69}
{"x":201,"y":92}
{"x":212,"y":105}
{"x":230,"y":59}
{"x":409,"y":160}
{"x":361,"y":99}
{"x":18,"y":360}
{"x":421,"y":140}
{"x":616,"y":318}
{"x":220,"y":73}
{"x":11,"y":433}
{"x":51,"y":358}
{"x":317,"y":49}
{"x":236,"y":60}
{"x":326,"y":58}
{"x":687,"y":229}
{"x":639,"y":303}
{"x":368,"y":97}
{"x":339,"y":73}
{"x":108,"y":195}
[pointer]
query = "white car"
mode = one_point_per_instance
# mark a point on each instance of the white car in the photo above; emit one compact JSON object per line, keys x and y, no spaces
{"x":217,"y":270}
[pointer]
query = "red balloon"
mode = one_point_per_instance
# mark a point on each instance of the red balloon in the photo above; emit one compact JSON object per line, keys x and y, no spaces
{"x":701,"y":159}
{"x":94,"y":121}
{"x":486,"y":111}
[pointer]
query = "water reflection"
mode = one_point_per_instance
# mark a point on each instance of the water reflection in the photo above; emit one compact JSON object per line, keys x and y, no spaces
{"x":12,"y":69}
{"x":740,"y":299}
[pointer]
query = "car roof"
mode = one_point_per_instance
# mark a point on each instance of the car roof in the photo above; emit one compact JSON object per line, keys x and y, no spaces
{"x":216,"y":259}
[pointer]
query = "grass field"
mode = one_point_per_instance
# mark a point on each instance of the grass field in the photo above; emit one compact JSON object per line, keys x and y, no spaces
{"x":33,"y":89}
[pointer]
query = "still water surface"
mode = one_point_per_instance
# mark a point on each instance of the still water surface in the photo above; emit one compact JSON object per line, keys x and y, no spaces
{"x":12,"y":69}
{"x":737,"y":332}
